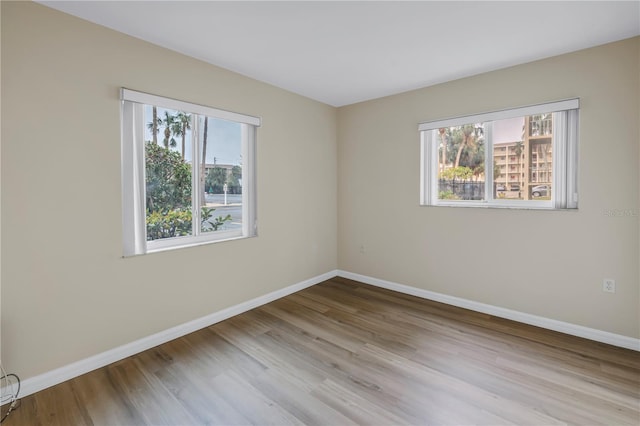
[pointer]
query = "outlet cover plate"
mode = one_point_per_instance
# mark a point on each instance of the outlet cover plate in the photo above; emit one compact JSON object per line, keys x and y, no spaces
{"x":609,"y":285}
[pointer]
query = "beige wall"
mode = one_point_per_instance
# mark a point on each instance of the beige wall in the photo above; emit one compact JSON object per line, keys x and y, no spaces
{"x":556,"y":268}
{"x":66,"y":291}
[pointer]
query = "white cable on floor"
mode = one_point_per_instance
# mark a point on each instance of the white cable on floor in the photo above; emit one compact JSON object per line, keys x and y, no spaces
{"x":9,"y":390}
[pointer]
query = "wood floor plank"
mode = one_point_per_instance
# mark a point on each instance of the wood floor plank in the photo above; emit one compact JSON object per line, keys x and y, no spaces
{"x":196,"y":394}
{"x":355,"y":407}
{"x":309,"y":302}
{"x":147,"y":396}
{"x":257,"y":407}
{"x":57,"y":406}
{"x":543,"y":396}
{"x":343,"y":352}
{"x":301,"y":404}
{"x":102,"y":397}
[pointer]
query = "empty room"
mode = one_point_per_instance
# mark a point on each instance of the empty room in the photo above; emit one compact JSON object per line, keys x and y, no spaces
{"x":320,"y":213}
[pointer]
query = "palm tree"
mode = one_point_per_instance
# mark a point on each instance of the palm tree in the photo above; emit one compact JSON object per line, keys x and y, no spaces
{"x":204,"y":160}
{"x":518,"y":148}
{"x":181,"y":123}
{"x":153,"y":125}
{"x":168,"y":123}
{"x":470,"y":134}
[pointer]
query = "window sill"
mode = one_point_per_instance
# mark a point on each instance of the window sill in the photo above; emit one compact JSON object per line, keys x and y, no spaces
{"x":191,"y":243}
{"x":509,"y":206}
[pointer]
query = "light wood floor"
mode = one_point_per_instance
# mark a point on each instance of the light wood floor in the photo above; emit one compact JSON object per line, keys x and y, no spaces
{"x":342,"y":353}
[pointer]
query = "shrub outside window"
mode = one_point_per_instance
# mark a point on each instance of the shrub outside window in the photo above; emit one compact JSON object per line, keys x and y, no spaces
{"x":188,"y":174}
{"x":519,"y":158}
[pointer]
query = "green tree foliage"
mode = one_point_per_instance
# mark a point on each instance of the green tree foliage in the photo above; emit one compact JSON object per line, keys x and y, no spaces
{"x":169,"y":196}
{"x":471,"y":136}
{"x":173,"y":223}
{"x":168,"y":179}
{"x":168,"y":191}
{"x":457,"y":173}
{"x":447,"y":195}
{"x":215,"y":180}
{"x":177,"y":223}
{"x":210,"y":223}
{"x":234,"y":180}
{"x":462,"y":146}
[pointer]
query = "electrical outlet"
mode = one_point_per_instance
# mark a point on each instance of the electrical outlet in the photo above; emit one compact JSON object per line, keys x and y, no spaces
{"x":609,"y":285}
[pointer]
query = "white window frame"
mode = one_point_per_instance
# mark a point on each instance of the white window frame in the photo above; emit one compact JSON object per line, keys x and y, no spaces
{"x":564,"y":187}
{"x":134,"y":183}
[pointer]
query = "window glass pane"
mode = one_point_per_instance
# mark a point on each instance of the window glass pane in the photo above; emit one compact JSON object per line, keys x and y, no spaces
{"x":540,"y":156}
{"x":508,"y":158}
{"x":522,"y":160}
{"x":167,"y":173}
{"x":220,"y":175}
{"x":461,"y":152}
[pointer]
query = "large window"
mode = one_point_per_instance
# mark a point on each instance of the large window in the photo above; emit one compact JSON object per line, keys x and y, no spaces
{"x":520,"y":158}
{"x":188,"y":173}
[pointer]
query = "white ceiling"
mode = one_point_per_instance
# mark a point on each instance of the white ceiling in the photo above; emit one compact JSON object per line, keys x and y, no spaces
{"x":345,"y":52}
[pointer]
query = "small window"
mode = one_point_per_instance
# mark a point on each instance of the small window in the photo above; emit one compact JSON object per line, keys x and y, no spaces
{"x":463,"y":161}
{"x":188,"y":174}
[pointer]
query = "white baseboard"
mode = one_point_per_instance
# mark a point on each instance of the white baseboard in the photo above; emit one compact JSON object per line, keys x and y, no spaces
{"x":551,"y":324}
{"x":59,"y":375}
